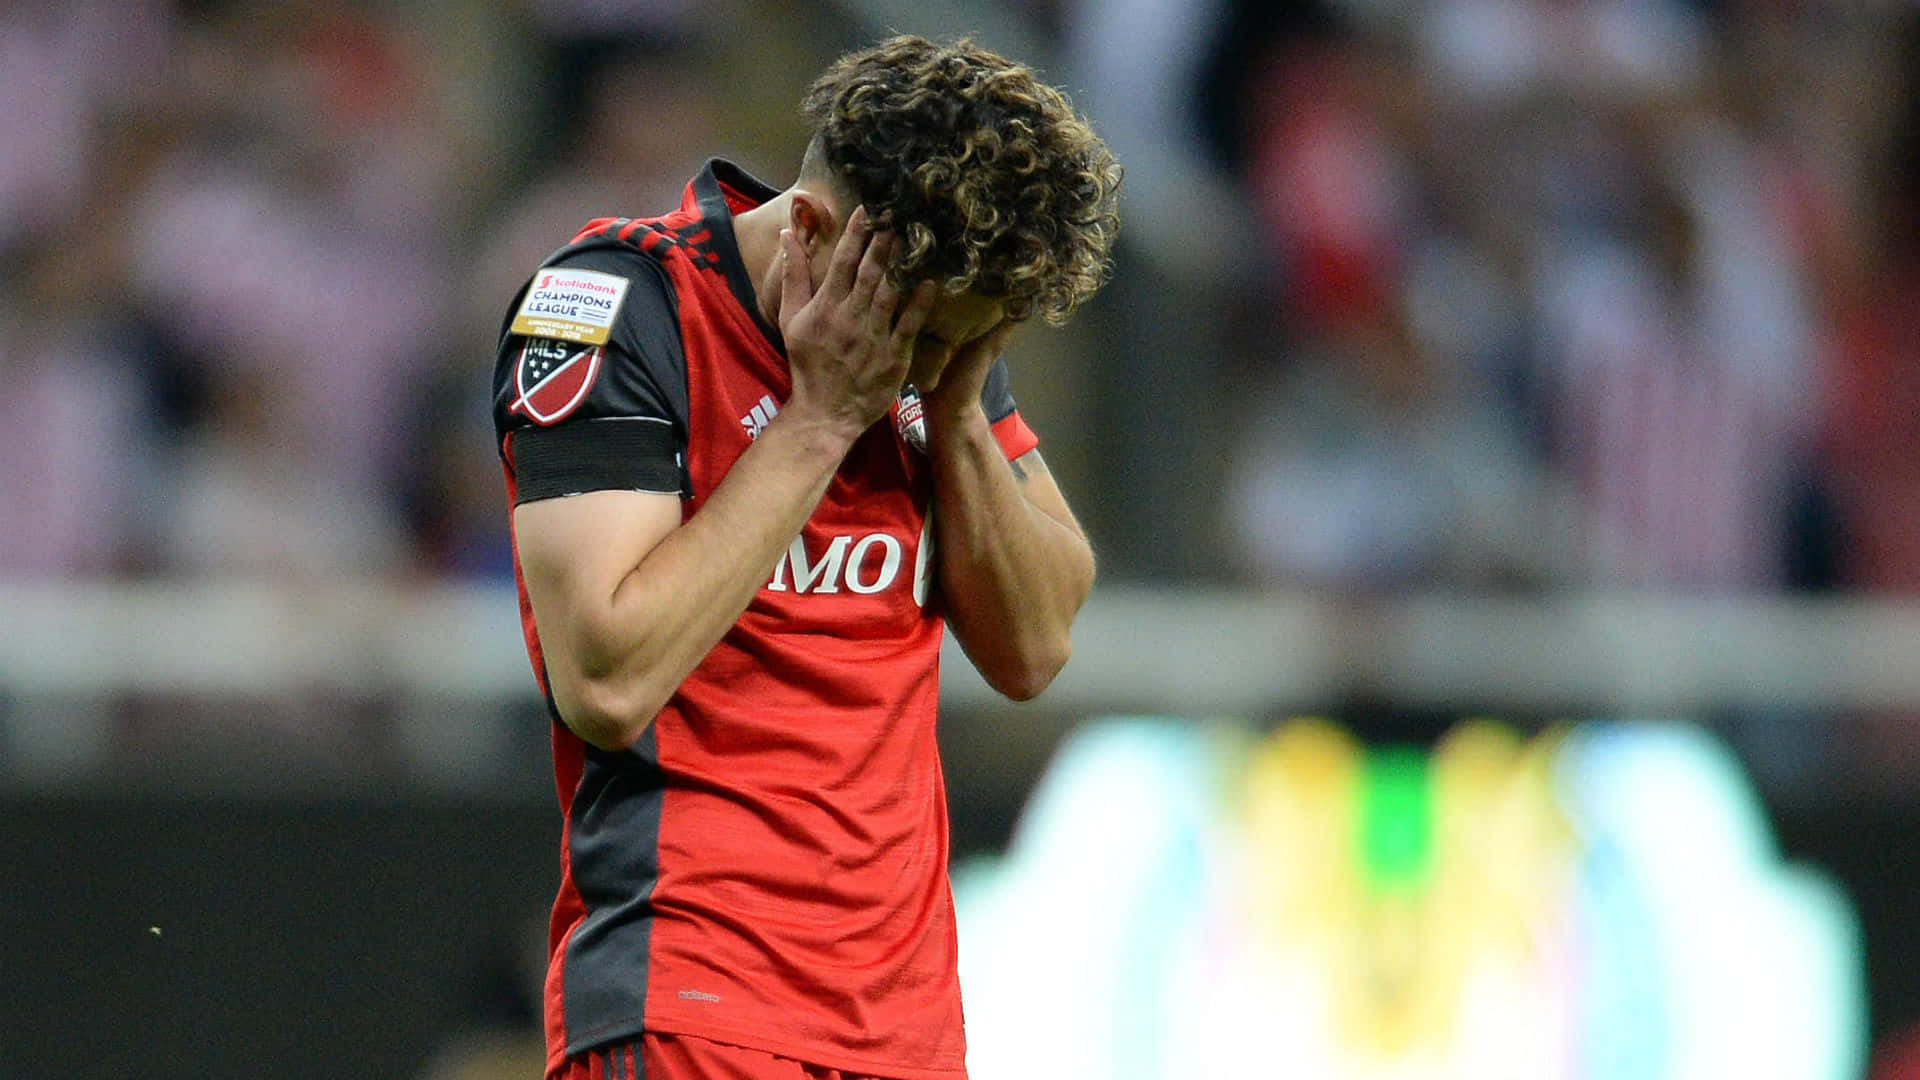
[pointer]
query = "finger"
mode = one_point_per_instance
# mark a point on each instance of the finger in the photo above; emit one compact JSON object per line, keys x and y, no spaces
{"x":980,"y":354}
{"x":847,"y":254}
{"x":996,"y":341}
{"x":914,"y":316}
{"x":873,"y":270}
{"x":796,"y":279}
{"x":988,"y":346}
{"x":886,"y":298}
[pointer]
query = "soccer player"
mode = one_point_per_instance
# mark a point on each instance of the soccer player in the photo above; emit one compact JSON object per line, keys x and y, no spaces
{"x":761,"y":451}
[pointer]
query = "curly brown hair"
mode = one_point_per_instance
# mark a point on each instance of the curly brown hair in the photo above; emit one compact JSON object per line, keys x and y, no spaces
{"x":992,"y":181}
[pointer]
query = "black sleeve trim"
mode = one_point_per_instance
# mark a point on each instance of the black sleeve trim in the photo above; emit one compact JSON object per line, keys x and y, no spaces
{"x":996,"y":395}
{"x":596,"y":455}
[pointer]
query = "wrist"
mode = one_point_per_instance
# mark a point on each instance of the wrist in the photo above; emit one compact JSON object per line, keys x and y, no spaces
{"x":957,"y":424}
{"x":815,"y":432}
{"x":953,"y":410}
{"x":840,"y":415}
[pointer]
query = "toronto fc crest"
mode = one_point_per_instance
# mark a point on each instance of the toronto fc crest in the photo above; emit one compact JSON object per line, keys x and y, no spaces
{"x":909,"y":419}
{"x":552,"y":378}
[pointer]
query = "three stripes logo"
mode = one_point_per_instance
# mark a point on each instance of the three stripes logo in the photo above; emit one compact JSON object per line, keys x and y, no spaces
{"x":760,"y":416}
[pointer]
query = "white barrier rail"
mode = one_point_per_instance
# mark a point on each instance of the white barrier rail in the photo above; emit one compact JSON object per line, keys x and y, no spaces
{"x":1198,"y":652}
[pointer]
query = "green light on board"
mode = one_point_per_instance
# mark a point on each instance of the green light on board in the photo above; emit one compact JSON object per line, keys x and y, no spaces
{"x":1396,"y":819}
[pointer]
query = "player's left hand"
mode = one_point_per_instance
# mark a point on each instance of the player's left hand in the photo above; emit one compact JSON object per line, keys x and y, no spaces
{"x":966,"y":374}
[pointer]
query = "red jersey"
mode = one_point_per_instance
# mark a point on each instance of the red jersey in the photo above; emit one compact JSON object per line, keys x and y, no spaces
{"x":767,"y":865}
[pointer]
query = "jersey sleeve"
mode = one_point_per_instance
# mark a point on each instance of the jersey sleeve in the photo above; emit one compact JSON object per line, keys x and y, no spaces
{"x":1009,"y":430}
{"x":574,"y":416}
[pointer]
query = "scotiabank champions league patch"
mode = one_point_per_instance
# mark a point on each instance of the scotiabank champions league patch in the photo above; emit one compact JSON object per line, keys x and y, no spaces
{"x":552,"y":378}
{"x":571,"y":305}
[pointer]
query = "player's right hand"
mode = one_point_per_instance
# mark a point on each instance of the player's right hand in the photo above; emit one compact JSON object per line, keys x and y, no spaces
{"x":847,"y":351}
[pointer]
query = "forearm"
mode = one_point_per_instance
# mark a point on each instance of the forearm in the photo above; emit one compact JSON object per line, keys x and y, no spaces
{"x":1013,"y":573}
{"x":630,"y":653}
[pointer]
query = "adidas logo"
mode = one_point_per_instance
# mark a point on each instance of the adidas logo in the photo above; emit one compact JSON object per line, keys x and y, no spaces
{"x":760,"y":416}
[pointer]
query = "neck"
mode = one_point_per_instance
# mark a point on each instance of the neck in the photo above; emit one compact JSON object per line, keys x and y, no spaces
{"x":757,"y":232}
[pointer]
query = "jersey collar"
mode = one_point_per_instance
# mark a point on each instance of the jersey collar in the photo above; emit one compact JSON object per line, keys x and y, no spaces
{"x":722,"y":190}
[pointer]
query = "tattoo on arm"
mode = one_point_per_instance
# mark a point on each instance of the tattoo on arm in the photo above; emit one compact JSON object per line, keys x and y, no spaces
{"x":1028,"y":464}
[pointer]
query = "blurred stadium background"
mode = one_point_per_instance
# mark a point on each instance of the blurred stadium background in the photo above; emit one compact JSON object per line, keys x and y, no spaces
{"x":1527,"y":390}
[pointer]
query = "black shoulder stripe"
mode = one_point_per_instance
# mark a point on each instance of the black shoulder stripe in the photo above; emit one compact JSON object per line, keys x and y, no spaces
{"x":996,"y":394}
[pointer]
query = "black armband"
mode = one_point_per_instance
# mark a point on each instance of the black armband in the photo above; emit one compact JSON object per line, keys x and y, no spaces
{"x":635,"y":454}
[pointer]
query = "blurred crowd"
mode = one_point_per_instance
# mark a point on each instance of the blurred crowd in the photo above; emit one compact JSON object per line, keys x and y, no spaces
{"x":256,"y":256}
{"x":1443,"y":293}
{"x":1569,"y":293}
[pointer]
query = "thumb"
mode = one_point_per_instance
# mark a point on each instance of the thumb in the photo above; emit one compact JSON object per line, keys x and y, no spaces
{"x":796,"y":277}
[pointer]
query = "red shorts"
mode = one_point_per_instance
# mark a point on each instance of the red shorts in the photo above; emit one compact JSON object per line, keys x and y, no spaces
{"x":684,"y":1057}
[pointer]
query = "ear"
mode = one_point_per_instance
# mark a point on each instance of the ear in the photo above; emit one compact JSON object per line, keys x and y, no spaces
{"x":813,"y":221}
